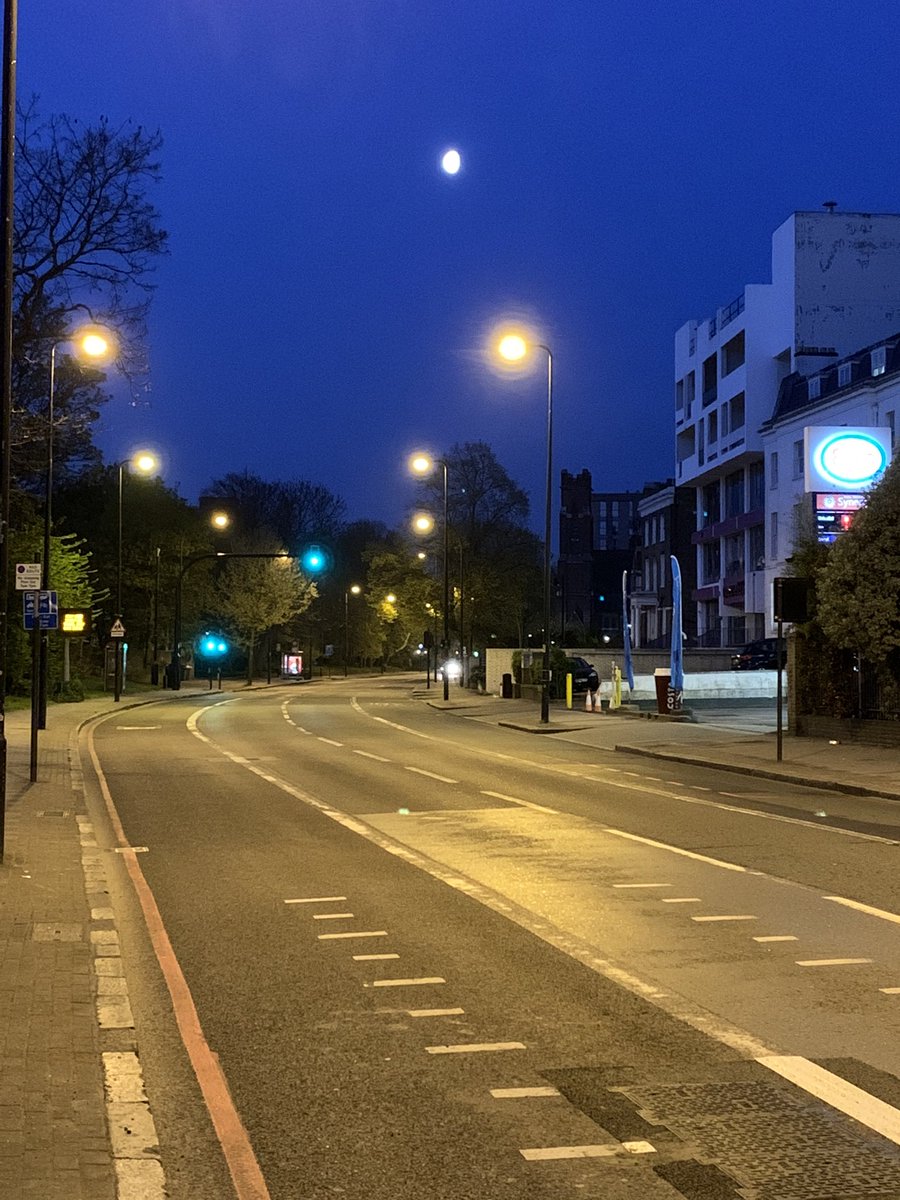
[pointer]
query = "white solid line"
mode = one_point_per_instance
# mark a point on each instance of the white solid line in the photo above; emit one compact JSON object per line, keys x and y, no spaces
{"x":366,"y":754}
{"x":475,"y":1048}
{"x":680,"y":899}
{"x":431,"y":775}
{"x":331,"y":916}
{"x":865,"y":908}
{"x":330,"y":741}
{"x":523,"y":1092}
{"x":524,"y":803}
{"x":548,"y":1153}
{"x":738,"y":918}
{"x":715,"y":862}
{"x":890,"y":991}
{"x":641,"y":885}
{"x":776,"y":937}
{"x":324,"y":937}
{"x":844,"y":1096}
{"x":372,"y":957}
{"x":405,"y":982}
{"x":317,"y":900}
{"x":830,"y":962}
{"x":435,"y":1012}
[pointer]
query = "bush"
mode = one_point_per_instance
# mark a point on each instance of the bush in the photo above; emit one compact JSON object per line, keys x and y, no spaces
{"x":71,"y":692}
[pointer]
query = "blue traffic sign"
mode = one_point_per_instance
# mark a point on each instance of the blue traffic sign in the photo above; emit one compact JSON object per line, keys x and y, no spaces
{"x":40,"y":610}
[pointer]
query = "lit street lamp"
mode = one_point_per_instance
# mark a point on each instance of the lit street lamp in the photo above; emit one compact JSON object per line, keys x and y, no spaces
{"x":145,"y":463}
{"x":424,"y":464}
{"x":98,"y":344}
{"x":515,"y":348}
{"x":353,"y":590}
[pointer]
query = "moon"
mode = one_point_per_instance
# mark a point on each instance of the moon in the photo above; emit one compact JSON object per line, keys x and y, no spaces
{"x":451,"y":161}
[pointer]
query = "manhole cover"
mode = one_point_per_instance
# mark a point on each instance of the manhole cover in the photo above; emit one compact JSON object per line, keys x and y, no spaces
{"x":55,"y":812}
{"x":57,"y":931}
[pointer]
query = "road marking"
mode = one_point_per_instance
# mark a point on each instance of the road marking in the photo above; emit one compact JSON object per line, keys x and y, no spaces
{"x":366,"y":754}
{"x":329,"y":741}
{"x":524,"y":803}
{"x":435,"y":1012}
{"x":475,"y":1048}
{"x":331,"y":916}
{"x":139,"y":727}
{"x":845,"y":1097}
{"x":523,"y":1092}
{"x":776,"y":937}
{"x":327,"y":937}
{"x":882,"y":913}
{"x":742,"y":917}
{"x":316,"y":900}
{"x":831,"y":962}
{"x":890,"y":991}
{"x":431,"y":775}
{"x":698,"y":787}
{"x":715,"y":862}
{"x":641,"y":885}
{"x":548,"y":1153}
{"x":372,"y":957}
{"x":405,"y":982}
{"x":681,"y":900}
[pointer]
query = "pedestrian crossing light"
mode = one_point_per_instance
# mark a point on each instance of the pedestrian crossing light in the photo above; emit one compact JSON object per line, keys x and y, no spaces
{"x":314,"y":560}
{"x":213,"y":646}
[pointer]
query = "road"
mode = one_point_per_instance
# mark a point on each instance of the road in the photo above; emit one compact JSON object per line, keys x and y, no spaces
{"x":436,"y":957}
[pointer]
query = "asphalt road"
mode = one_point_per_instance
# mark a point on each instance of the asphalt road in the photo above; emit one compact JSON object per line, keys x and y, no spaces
{"x":390,"y":917}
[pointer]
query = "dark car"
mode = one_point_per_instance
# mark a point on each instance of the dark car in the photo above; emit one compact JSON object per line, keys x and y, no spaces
{"x":584,"y":675}
{"x":758,"y":656}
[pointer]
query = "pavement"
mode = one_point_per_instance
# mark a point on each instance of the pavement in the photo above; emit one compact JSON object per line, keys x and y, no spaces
{"x":71,"y":1095}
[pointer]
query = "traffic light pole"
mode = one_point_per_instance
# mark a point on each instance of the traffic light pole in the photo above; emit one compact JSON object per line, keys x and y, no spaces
{"x":175,"y":665}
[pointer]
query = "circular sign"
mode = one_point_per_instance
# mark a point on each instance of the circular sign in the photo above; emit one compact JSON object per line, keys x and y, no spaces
{"x":851,"y":459}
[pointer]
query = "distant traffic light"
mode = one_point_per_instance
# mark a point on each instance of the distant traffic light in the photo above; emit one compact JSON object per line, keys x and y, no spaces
{"x":314,"y":560}
{"x":213,"y":645}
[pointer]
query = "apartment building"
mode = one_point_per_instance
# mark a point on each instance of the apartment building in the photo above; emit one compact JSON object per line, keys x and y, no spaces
{"x":835,"y":286}
{"x":667,"y":520}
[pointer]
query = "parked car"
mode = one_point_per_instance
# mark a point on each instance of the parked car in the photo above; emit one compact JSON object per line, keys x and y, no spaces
{"x":758,"y":656}
{"x":584,"y":675}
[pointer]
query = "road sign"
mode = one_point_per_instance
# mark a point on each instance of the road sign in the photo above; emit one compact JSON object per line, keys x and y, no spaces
{"x":40,"y":610}
{"x":118,"y":629}
{"x":28,"y":577}
{"x":76,"y":621}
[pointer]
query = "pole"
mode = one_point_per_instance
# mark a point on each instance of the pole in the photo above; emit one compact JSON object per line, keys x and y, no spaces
{"x":446,"y":582}
{"x":44,"y":671}
{"x":462,"y":627}
{"x":545,"y":675}
{"x":117,"y":686}
{"x":346,"y":631}
{"x":154,"y":671}
{"x":779,"y":643}
{"x":7,"y":151}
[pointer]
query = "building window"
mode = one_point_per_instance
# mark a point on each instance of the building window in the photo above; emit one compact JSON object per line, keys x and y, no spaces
{"x":734,"y":494}
{"x":845,"y":373}
{"x":797,"y":459}
{"x":679,"y":395}
{"x":773,"y":535}
{"x":710,"y":381}
{"x":734,"y":556}
{"x":814,"y":387}
{"x":662,"y":527}
{"x":773,"y":469}
{"x":756,"y":540}
{"x":711,"y":504}
{"x":737,"y":412}
{"x":879,"y":360}
{"x":711,"y":562}
{"x":733,"y":354}
{"x":756,"y":486}
{"x":662,"y":571}
{"x":889,"y":421}
{"x":713,"y":428}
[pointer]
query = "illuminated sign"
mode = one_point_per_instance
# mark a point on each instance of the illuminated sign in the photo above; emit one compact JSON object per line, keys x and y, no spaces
{"x":840,"y":458}
{"x":76,"y":621}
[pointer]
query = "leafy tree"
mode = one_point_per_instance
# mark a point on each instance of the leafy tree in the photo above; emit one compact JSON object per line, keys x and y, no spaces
{"x":254,"y":595}
{"x":294,"y":512}
{"x":86,"y":239}
{"x":394,"y":570}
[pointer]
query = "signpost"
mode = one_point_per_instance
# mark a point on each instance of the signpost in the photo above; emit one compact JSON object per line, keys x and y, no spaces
{"x":28,"y":577}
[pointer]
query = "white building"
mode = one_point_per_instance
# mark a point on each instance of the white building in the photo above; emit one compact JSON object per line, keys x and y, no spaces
{"x":835,"y":286}
{"x":860,"y":391}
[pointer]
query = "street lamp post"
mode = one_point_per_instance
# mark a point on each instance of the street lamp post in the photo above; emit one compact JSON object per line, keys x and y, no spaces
{"x":423,"y":464}
{"x":513,"y":347}
{"x":144,"y":462}
{"x":353,"y":590}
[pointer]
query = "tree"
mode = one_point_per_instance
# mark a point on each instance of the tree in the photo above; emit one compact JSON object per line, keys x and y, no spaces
{"x":86,"y":239}
{"x":254,"y":595}
{"x":295,"y":512}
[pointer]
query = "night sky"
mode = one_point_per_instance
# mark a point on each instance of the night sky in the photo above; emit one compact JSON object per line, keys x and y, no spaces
{"x":328,"y":289}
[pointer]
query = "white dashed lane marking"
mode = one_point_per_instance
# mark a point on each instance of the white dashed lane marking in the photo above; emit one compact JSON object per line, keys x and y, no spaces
{"x":405,"y":982}
{"x":549,"y":1153}
{"x":831,"y":962}
{"x":366,"y":754}
{"x":327,"y":937}
{"x":623,"y":886}
{"x":431,"y":775}
{"x":522,"y":1093}
{"x":681,"y":900}
{"x":317,"y":900}
{"x":331,"y":916}
{"x":776,"y":937}
{"x":329,"y":741}
{"x":741,"y":917}
{"x":475,"y":1048}
{"x":892,"y":991}
{"x":373,"y":957}
{"x":435,"y":1012}
{"x":524,"y":803}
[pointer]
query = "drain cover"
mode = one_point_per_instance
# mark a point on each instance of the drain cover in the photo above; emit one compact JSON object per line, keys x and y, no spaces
{"x":57,"y":931}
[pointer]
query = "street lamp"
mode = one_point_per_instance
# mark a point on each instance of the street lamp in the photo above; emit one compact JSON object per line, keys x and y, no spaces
{"x":98,"y":344}
{"x":515,"y":348}
{"x":353,"y":590}
{"x":424,"y":464}
{"x":145,"y":463}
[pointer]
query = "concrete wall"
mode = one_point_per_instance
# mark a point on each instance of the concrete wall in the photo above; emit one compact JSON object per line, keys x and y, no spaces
{"x":707,"y":673}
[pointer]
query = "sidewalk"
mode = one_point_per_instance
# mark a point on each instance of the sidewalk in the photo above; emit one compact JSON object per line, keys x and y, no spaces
{"x":843,"y":767}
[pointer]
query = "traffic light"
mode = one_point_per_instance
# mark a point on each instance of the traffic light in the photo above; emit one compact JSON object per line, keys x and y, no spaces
{"x":315,"y":559}
{"x":213,"y":645}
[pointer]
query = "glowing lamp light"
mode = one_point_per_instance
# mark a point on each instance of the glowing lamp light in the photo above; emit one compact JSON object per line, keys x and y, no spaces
{"x":451,"y":161}
{"x":852,"y":459}
{"x":94,"y":345}
{"x":512,"y":347}
{"x":145,"y":462}
{"x":423,"y":523}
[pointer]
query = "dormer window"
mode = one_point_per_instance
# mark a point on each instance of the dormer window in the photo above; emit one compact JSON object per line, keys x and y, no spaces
{"x":814,"y":387}
{"x":845,"y":371}
{"x":879,"y":360}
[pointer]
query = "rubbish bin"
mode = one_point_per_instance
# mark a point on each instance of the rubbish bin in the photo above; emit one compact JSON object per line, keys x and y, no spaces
{"x":506,"y":687}
{"x":662,"y":678}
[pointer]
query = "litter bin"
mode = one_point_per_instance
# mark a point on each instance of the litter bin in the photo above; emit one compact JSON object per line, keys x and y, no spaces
{"x":506,"y":686}
{"x":662,"y":678}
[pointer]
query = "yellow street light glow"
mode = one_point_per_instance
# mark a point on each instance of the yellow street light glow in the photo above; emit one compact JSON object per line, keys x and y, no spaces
{"x":145,"y":462}
{"x":220,"y":520}
{"x":355,"y":589}
{"x":422,"y":555}
{"x":95,"y":342}
{"x":423,"y":523}
{"x":421,"y":464}
{"x":391,"y":598}
{"x":512,"y":347}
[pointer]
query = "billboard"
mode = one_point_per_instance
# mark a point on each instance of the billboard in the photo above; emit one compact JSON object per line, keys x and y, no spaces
{"x":844,"y":458}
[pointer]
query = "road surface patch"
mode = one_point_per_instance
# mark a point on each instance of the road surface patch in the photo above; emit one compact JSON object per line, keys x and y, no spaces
{"x":522,"y":1093}
{"x":475,"y":1048}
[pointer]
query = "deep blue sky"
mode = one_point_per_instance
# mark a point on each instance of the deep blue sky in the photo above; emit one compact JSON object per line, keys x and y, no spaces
{"x":328,"y":287}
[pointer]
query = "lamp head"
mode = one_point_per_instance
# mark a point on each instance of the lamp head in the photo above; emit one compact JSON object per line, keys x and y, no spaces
{"x":423,"y":522}
{"x":421,"y":463}
{"x":95,"y":342}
